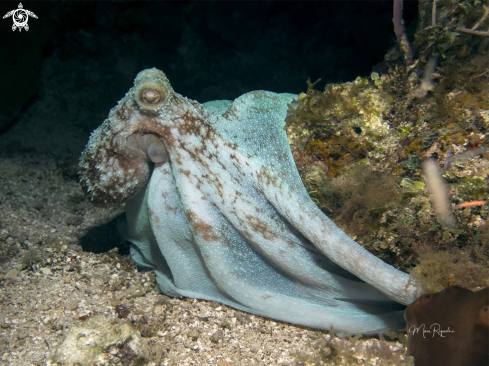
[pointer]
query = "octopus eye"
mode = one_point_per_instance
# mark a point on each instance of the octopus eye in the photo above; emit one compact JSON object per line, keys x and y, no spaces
{"x":150,"y":96}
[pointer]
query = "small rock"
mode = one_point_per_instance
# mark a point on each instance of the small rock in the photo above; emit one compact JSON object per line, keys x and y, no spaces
{"x":187,"y":343}
{"x":135,"y":292}
{"x":75,"y":247}
{"x":43,"y":307}
{"x":113,"y":350}
{"x":146,"y":330}
{"x":46,"y":271}
{"x":119,"y":339}
{"x":70,"y":304}
{"x":74,"y":220}
{"x":83,"y":316}
{"x":37,"y":205}
{"x":12,"y":274}
{"x":223,"y":363}
{"x":217,"y":336}
{"x":122,"y":311}
{"x":3,"y":234}
{"x":193,"y":334}
{"x":143,"y":319}
{"x":175,"y":332}
{"x":126,"y":354}
{"x":159,"y":310}
{"x":22,"y":335}
{"x":242,"y":318}
{"x":326,"y":351}
{"x":82,"y":206}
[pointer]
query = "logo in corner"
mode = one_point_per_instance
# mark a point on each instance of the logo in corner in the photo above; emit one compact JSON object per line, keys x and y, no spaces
{"x":20,"y":17}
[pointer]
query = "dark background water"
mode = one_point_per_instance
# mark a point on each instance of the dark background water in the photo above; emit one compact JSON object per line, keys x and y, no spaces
{"x":60,"y":78}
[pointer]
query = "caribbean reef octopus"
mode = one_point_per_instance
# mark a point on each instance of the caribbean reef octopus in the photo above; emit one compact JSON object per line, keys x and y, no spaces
{"x":215,"y":205}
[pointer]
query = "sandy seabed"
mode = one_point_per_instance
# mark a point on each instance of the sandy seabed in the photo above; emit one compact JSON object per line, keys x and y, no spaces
{"x":67,"y":298}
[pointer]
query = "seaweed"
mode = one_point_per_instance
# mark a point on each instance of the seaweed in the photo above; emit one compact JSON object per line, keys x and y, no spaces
{"x":442,"y":269}
{"x":363,"y":196}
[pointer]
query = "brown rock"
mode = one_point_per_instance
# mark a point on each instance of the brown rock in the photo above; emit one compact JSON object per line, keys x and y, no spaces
{"x":449,"y":328}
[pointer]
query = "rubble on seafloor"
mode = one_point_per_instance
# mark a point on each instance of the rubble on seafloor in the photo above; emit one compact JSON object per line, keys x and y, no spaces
{"x":64,"y":301}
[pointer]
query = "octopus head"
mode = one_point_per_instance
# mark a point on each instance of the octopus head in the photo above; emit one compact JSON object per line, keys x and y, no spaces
{"x":118,"y":158}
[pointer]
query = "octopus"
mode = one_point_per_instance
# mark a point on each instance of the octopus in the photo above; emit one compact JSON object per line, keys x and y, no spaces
{"x":215,"y":205}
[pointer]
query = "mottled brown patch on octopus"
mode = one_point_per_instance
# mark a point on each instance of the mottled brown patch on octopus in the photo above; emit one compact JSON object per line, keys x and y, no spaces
{"x":219,"y":187}
{"x":266,"y":178}
{"x":259,"y":227}
{"x":168,"y":139}
{"x":265,"y":297}
{"x":124,"y":112}
{"x":178,"y":159}
{"x":236,"y":196}
{"x":221,"y":164}
{"x":171,"y":208}
{"x":238,"y":168}
{"x":184,"y":172}
{"x":108,"y":192}
{"x":206,"y":231}
{"x":155,"y":218}
{"x":230,"y":114}
{"x":188,"y":124}
{"x":197,"y":152}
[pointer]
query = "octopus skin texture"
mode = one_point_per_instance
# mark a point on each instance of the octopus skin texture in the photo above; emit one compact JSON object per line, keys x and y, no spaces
{"x":215,"y":205}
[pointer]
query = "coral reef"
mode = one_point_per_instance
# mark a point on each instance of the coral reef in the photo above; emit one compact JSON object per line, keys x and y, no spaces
{"x":359,"y":148}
